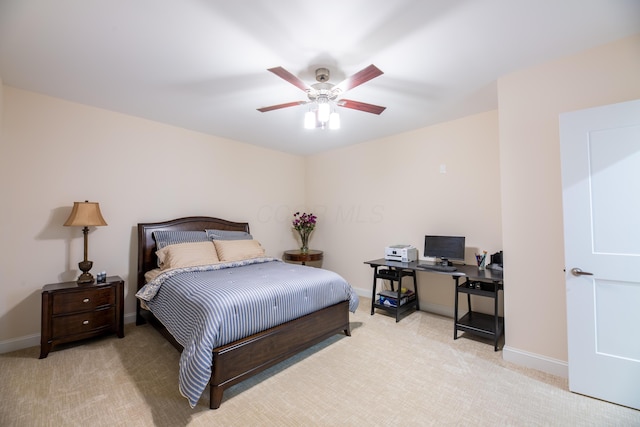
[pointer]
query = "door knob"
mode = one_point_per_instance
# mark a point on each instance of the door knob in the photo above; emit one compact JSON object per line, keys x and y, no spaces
{"x":578,"y":272}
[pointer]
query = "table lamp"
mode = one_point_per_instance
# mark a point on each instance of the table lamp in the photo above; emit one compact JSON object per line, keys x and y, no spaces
{"x":85,"y":214}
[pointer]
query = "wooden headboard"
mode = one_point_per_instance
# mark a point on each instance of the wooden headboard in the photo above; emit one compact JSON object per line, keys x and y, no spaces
{"x":147,"y":245}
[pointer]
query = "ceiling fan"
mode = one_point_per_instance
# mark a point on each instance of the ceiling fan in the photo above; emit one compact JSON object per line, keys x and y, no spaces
{"x":324,"y":94}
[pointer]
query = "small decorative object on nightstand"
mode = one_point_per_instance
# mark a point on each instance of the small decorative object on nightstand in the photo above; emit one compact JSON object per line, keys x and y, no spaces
{"x":72,"y":312}
{"x":85,"y":214}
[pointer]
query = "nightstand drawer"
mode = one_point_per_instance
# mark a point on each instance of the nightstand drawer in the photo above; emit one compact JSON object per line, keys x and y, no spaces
{"x":69,"y":302}
{"x":83,"y":322}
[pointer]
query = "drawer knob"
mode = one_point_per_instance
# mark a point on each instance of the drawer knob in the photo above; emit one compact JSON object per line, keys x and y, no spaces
{"x":85,"y":300}
{"x":86,"y":322}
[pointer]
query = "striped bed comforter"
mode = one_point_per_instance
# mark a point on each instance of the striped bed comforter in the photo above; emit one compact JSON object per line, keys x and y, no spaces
{"x":208,"y":306}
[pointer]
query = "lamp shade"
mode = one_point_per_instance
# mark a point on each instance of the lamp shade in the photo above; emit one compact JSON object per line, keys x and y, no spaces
{"x":85,"y":214}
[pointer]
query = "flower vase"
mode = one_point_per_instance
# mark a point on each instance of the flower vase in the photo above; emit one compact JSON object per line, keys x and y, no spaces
{"x":305,"y":243}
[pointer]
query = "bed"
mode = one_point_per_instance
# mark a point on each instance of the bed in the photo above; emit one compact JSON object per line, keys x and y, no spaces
{"x":244,"y":356}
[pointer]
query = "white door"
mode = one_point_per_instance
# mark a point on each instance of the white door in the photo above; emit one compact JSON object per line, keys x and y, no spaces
{"x":600,"y":149}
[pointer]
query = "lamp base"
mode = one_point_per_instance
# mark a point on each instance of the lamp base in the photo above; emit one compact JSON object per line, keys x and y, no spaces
{"x":85,"y":278}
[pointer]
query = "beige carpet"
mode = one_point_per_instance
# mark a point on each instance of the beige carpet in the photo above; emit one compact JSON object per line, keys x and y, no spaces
{"x":411,"y":373}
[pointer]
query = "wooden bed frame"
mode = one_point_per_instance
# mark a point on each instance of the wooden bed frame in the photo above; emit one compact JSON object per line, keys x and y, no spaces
{"x":244,"y":358}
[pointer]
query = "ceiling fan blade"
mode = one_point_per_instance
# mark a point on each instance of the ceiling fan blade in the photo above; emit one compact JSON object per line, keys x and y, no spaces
{"x":277,"y":107}
{"x":361,"y":106}
{"x":284,"y":74}
{"x":362,"y":76}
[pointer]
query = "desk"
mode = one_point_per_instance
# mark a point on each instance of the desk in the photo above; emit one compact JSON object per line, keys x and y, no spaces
{"x":489,"y":283}
{"x":297,"y":255}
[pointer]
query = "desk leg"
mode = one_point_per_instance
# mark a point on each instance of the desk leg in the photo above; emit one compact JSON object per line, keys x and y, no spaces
{"x":455,"y":310}
{"x":415,"y":290}
{"x":399,"y":295}
{"x":495,"y":315}
{"x":373,"y":293}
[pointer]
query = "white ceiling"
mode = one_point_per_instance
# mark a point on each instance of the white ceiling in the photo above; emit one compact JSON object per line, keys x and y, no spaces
{"x":202,"y":64}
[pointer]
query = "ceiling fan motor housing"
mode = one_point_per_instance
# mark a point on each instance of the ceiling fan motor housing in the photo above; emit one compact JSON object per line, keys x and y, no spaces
{"x":322,"y":75}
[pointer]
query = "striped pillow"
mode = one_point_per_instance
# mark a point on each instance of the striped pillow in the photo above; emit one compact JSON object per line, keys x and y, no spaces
{"x":165,"y":238}
{"x":228,"y":235}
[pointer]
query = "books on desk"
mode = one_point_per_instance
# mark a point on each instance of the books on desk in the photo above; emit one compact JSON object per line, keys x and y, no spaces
{"x":390,"y":298}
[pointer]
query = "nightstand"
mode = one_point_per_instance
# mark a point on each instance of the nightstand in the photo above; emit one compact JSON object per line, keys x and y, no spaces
{"x":297,"y":256}
{"x":72,"y":312}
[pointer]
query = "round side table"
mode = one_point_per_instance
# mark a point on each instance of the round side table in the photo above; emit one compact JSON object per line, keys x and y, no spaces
{"x":297,"y":256}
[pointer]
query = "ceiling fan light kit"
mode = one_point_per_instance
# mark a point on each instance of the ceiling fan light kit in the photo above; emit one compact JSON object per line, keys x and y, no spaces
{"x":324,"y":97}
{"x":322,"y":117}
{"x":334,"y":121}
{"x":324,"y":109}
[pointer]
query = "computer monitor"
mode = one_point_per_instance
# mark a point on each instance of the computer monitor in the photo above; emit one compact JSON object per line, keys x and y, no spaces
{"x":445,"y":248}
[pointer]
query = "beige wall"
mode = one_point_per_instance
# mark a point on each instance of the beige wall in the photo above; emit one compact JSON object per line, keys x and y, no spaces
{"x":501,"y":189}
{"x":391,"y":191}
{"x":55,"y":152}
{"x":530,"y":102}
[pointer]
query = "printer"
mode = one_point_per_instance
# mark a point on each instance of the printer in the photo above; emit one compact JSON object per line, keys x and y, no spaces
{"x":402,"y":253}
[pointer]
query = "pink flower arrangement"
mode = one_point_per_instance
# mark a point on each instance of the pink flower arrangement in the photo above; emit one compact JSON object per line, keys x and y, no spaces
{"x":304,"y":224}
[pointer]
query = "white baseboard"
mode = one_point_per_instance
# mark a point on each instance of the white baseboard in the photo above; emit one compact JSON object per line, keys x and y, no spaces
{"x":441,"y":310}
{"x":129,"y":318}
{"x":529,"y":360}
{"x":34,"y":339}
{"x":19,"y":343}
{"x":551,"y":366}
{"x":365,"y":293}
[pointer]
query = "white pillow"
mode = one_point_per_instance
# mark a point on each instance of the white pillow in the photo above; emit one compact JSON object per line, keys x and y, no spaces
{"x":187,"y":255}
{"x":237,"y":250}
